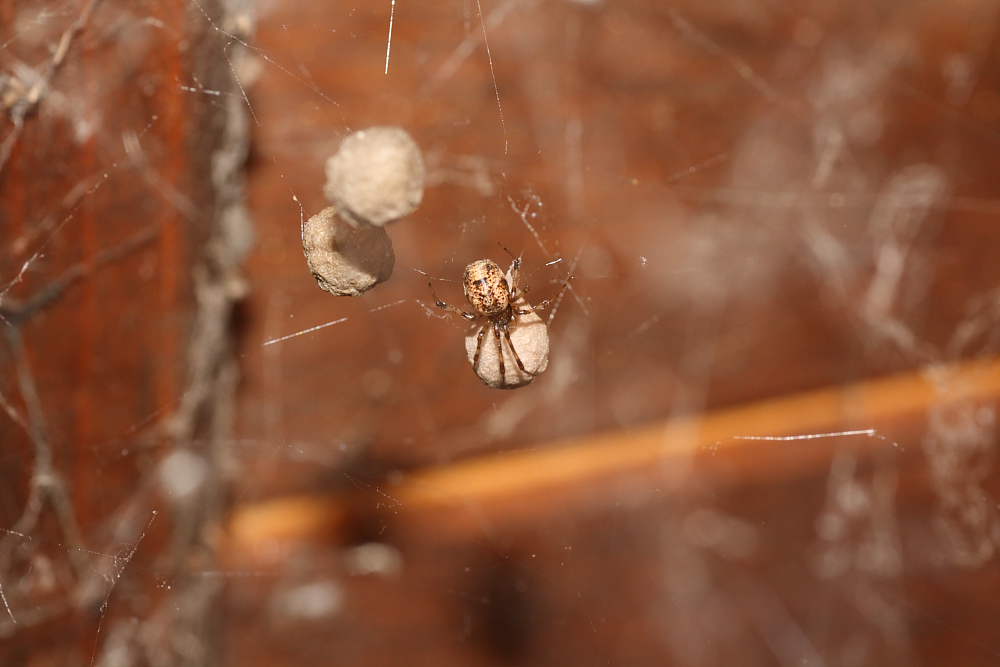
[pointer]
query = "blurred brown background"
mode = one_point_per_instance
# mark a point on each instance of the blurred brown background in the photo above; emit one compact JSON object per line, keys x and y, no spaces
{"x":767,"y":432}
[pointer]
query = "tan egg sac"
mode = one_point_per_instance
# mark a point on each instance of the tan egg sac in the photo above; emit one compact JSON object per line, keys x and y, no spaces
{"x":530,"y":337}
{"x":376,"y":176}
{"x":346,"y":259}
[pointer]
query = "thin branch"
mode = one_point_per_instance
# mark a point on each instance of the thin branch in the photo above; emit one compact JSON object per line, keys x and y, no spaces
{"x":26,"y":105}
{"x":16,"y":312}
{"x":45,"y":482}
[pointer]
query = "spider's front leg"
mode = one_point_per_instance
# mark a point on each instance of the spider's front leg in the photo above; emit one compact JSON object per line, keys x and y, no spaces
{"x":544,"y":303}
{"x":447,"y":307}
{"x":533,"y":307}
{"x":541,"y":305}
{"x":515,"y":279}
{"x":499,"y":341}
{"x":517,"y":357}
{"x":479,"y":347}
{"x":515,"y":274}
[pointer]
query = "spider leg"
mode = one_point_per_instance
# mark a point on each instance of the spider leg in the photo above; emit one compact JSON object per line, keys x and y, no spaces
{"x":447,"y":307}
{"x":517,"y":357}
{"x":541,"y":305}
{"x":479,"y":347}
{"x":515,"y":275}
{"x":530,"y":308}
{"x":503,"y":372}
{"x":544,"y":303}
{"x":507,"y":250}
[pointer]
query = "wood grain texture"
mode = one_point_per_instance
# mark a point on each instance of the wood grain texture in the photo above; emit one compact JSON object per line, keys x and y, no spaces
{"x":109,"y":198}
{"x":731,"y":176}
{"x":695,"y":157}
{"x":780,"y":218}
{"x":865,"y":414}
{"x":683,"y":543}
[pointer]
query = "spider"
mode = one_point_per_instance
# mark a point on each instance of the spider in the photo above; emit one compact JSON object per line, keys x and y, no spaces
{"x":492,"y":299}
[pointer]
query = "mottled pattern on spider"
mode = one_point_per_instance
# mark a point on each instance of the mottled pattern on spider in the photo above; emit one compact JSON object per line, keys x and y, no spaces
{"x":493,"y":300}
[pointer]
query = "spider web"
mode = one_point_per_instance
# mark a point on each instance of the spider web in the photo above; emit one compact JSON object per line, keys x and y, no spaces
{"x":742,"y":218}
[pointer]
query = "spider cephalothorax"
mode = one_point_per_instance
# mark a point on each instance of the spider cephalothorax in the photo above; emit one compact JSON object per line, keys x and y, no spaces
{"x":497,"y":299}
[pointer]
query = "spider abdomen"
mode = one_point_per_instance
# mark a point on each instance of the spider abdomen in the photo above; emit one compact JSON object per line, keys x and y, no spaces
{"x":485,"y":287}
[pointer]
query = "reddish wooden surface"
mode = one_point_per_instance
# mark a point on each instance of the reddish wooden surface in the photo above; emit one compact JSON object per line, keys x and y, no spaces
{"x":683,"y":159}
{"x":106,"y":202}
{"x":675,"y":149}
{"x":703,"y":550}
{"x":681,"y":152}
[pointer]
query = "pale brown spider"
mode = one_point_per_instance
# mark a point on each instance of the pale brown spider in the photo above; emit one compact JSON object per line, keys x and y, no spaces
{"x":492,"y":299}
